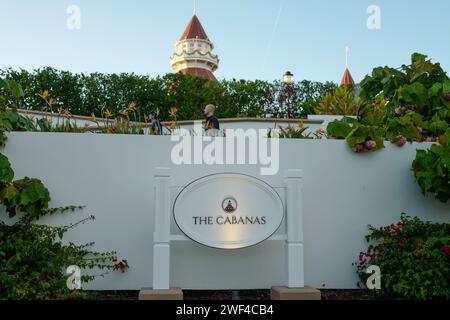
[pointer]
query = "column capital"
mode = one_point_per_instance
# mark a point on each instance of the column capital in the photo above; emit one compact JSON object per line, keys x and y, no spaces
{"x":162,"y":172}
{"x":293,"y":174}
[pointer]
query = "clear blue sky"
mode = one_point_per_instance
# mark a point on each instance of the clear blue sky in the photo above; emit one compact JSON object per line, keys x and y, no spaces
{"x":309,"y":38}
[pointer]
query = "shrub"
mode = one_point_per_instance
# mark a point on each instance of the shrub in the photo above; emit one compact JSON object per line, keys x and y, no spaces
{"x":400,"y":105}
{"x":33,"y":257}
{"x":86,"y":94}
{"x":413,"y":256}
{"x":343,"y":101}
{"x":432,"y":171}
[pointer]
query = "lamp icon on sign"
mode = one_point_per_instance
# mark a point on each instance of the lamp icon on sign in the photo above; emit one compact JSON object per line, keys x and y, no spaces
{"x":229,"y":205}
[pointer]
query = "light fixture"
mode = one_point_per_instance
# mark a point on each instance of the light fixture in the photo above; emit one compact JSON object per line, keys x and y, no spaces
{"x":288,"y":78}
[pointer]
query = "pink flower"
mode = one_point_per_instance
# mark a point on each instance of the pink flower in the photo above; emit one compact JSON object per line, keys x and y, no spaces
{"x":446,"y":249}
{"x":370,"y":144}
{"x":362,"y":260}
{"x":420,"y":130}
{"x":359,"y":148}
{"x":399,"y":111}
{"x":401,"y":142}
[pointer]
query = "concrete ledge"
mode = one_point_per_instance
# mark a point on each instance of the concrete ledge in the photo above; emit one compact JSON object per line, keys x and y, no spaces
{"x":285,"y":293}
{"x":171,"y":294}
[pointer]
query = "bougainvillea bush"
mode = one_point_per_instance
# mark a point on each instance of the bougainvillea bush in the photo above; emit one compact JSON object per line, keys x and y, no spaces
{"x":413,"y":256}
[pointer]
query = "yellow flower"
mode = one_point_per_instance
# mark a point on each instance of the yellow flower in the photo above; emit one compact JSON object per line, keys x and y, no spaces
{"x":132,"y":106}
{"x":59,"y":110}
{"x":173,"y":111}
{"x":173,"y":125}
{"x":51,"y":102}
{"x":67,"y":113}
{"x":320,"y":131}
{"x":301,"y":124}
{"x":93,"y":118}
{"x":289,"y":127}
{"x":44,"y":94}
{"x":107,"y":113}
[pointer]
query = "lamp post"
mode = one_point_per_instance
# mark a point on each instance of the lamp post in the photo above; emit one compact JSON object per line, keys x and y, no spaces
{"x":288,"y":78}
{"x":288,"y":94}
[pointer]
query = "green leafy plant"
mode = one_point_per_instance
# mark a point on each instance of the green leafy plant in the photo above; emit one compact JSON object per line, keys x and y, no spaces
{"x":432,"y":171}
{"x":413,"y":257}
{"x":33,"y":257}
{"x":360,"y":137}
{"x":87,"y":94}
{"x":340,"y":129}
{"x":343,"y":101}
{"x":291,"y":132}
{"x":411,"y":103}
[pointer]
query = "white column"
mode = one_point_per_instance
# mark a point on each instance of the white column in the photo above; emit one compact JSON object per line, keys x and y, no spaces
{"x":294,"y":215}
{"x":161,"y":235}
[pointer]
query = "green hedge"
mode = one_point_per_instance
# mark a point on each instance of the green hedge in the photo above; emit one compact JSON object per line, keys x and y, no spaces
{"x":84,"y":94}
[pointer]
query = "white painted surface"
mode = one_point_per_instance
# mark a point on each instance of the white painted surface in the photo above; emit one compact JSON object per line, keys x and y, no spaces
{"x":113,"y":175}
{"x":294,"y":226}
{"x":326,"y":118}
{"x":245,"y":125}
{"x":161,"y":233}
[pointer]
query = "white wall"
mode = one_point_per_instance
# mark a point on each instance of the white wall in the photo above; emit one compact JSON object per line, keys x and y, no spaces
{"x":113,"y":176}
{"x":257,"y":125}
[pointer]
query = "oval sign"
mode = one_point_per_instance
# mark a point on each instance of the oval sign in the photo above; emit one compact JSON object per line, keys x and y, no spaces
{"x":228,"y":211}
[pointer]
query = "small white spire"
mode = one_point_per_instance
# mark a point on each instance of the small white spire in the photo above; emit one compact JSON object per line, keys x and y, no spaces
{"x":195,"y":7}
{"x":347,"y":52}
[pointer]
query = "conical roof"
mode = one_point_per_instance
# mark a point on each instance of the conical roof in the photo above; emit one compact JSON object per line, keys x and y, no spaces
{"x":347,"y":79}
{"x":194,"y":30}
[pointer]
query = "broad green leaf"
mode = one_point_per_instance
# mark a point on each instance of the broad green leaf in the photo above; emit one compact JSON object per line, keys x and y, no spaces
{"x":6,"y":172}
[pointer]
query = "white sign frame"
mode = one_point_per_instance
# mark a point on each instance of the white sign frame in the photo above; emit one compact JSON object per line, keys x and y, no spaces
{"x":254,"y":238}
{"x":294,"y":238}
